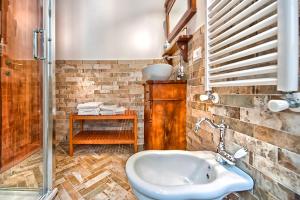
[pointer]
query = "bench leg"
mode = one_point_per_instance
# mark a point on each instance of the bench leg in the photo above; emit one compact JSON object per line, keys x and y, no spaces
{"x":135,"y":148}
{"x":135,"y":126}
{"x":81,"y":125}
{"x":71,"y":151}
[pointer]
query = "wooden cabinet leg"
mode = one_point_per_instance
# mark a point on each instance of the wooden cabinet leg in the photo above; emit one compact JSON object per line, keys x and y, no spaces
{"x":135,"y":148}
{"x":135,"y":126}
{"x":71,"y":136}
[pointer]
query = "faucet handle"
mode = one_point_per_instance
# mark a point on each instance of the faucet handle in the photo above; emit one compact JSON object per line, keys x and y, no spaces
{"x":223,"y":124}
{"x":241,"y":153}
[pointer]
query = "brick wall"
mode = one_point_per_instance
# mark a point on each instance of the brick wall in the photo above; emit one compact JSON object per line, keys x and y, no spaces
{"x":117,"y":82}
{"x":273,"y":139}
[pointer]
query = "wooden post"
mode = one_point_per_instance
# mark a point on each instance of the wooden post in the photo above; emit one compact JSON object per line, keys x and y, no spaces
{"x":81,"y":125}
{"x":135,"y":126}
{"x":71,"y":134}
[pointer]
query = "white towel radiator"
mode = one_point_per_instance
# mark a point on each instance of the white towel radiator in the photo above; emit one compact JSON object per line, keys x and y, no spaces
{"x":252,"y":42}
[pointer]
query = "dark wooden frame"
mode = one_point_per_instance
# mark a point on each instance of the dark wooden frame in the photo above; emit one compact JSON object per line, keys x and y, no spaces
{"x":182,"y":22}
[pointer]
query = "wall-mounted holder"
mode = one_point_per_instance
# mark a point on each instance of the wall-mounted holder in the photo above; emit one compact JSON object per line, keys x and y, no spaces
{"x":181,"y":44}
{"x":289,"y":101}
{"x":214,"y":97}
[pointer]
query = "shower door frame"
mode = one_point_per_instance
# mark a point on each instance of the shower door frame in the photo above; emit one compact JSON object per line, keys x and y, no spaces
{"x":48,"y":72}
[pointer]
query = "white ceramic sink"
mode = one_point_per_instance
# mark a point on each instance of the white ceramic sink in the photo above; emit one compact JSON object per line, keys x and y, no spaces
{"x":182,"y":175}
{"x":157,"y":72}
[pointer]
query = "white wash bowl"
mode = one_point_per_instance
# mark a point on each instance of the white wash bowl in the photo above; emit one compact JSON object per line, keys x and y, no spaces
{"x":180,"y":175}
{"x":157,"y":72}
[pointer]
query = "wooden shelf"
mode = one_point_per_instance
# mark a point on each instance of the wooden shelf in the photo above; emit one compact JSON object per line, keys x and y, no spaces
{"x":181,"y":43}
{"x":129,"y":114}
{"x":104,"y":137}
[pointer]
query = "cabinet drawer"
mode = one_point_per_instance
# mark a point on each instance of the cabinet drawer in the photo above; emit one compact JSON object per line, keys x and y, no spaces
{"x":169,"y":92}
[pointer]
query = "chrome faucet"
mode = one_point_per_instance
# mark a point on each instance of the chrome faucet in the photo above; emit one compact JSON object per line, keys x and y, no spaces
{"x":180,"y":72}
{"x":223,"y":156}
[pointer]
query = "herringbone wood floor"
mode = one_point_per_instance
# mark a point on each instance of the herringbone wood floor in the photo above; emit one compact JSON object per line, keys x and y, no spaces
{"x":94,"y":172}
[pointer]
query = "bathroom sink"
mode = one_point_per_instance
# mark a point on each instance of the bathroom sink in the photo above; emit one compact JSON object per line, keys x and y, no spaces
{"x":157,"y":72}
{"x":180,"y":175}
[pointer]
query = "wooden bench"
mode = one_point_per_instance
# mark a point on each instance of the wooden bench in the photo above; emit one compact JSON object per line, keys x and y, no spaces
{"x":100,"y":136}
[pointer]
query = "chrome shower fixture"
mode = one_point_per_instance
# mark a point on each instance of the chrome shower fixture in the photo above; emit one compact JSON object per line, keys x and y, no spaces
{"x":214,"y":97}
{"x":289,"y":101}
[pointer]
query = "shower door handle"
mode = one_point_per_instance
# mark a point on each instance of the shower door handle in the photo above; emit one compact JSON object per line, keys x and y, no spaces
{"x":35,"y":46}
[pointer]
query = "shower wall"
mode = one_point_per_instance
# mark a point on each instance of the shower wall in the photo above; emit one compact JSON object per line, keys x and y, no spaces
{"x":21,"y":119}
{"x":21,"y":124}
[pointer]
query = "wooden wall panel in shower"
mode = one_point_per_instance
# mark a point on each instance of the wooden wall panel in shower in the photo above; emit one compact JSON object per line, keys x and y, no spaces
{"x":21,"y":122}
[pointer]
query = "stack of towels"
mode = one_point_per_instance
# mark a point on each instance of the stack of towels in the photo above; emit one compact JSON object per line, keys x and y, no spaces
{"x":89,"y":108}
{"x":111,"y":110}
{"x":97,"y":108}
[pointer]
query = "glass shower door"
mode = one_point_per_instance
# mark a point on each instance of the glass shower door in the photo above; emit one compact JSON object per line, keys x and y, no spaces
{"x":24,"y":52}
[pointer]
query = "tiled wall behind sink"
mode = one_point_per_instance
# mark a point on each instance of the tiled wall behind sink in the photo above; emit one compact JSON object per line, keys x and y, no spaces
{"x":116,"y":81}
{"x":273,"y":139}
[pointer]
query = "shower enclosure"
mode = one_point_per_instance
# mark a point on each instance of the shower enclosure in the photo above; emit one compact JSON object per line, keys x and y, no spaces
{"x":25,"y":98}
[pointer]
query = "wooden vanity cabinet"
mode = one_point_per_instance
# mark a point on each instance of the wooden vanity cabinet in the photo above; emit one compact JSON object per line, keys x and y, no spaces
{"x":165,"y":115}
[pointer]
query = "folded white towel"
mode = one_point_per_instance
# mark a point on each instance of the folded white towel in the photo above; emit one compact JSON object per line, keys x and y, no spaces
{"x":108,"y":107}
{"x":116,"y":111}
{"x":120,"y":110}
{"x":88,"y":109}
{"x":107,"y":112}
{"x":89,"y":105}
{"x":89,"y":112}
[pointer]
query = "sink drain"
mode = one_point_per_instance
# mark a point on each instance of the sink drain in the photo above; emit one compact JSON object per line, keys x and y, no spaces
{"x":207,"y":176}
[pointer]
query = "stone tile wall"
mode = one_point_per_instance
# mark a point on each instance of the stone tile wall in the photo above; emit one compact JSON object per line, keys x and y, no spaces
{"x":116,"y":82}
{"x":273,"y":139}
